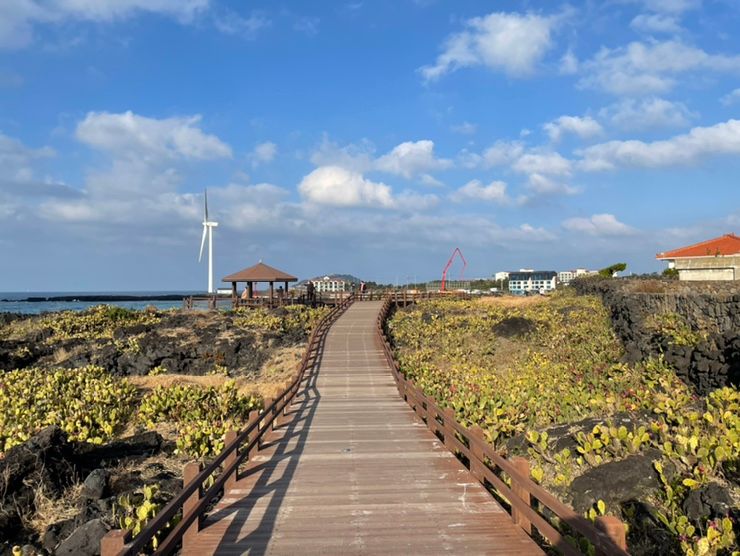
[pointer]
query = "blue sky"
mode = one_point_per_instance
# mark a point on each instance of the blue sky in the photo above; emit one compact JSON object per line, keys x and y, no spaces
{"x":362,"y":137}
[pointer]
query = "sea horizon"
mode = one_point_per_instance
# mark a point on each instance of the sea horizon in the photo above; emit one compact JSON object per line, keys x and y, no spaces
{"x":14,"y":302}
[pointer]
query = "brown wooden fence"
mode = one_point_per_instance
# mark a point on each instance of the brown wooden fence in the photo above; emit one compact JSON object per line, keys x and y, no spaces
{"x":531,"y":506}
{"x":194,"y":499}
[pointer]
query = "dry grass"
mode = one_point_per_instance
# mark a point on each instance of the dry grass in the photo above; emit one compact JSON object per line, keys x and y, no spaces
{"x":50,"y":510}
{"x":272,"y":378}
{"x":149,"y":467}
{"x":513,"y":301}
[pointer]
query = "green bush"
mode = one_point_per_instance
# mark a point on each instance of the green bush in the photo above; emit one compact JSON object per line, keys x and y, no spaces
{"x":566,"y":371}
{"x":202,"y":414}
{"x":87,"y":403}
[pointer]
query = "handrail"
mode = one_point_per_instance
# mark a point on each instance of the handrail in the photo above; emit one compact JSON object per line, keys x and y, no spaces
{"x":607,"y":535}
{"x":120,"y":543}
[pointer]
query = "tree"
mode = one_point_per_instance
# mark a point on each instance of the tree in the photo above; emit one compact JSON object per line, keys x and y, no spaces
{"x":611,"y":271}
{"x":671,"y":273}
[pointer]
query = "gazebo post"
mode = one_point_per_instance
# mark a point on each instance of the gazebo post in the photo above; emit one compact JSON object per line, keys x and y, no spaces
{"x":285,"y":295}
{"x":272,"y":289}
{"x":250,"y":290}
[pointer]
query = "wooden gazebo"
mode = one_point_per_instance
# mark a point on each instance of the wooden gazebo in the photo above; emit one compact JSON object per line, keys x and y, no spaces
{"x":259,"y":273}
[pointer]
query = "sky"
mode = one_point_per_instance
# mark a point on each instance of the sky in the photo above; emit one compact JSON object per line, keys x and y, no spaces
{"x":363,"y":137}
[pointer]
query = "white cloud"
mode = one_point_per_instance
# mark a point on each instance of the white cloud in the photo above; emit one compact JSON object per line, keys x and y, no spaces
{"x":16,"y":158}
{"x":411,"y":158}
{"x":509,"y":42}
{"x":308,"y":25}
{"x":263,"y":153}
{"x":643,"y":68}
{"x":148,"y":139}
{"x":475,"y":190}
{"x":688,"y":148}
{"x":584,"y":127}
{"x":647,"y":114}
{"x":430,"y":181}
{"x":499,"y":154}
{"x":731,"y":98}
{"x":569,"y":63}
{"x":543,"y":185}
{"x":18,"y":17}
{"x":333,"y":185}
{"x":599,"y":225}
{"x":249,"y":27}
{"x":465,"y":128}
{"x":671,"y":6}
{"x":357,"y":157}
{"x":551,"y":163}
{"x":655,"y":23}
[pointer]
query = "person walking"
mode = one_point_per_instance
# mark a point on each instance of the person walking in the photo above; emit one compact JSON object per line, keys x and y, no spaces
{"x":310,"y":293}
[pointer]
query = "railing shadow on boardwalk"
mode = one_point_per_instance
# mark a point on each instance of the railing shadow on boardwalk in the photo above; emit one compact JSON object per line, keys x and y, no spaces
{"x":294,"y":432}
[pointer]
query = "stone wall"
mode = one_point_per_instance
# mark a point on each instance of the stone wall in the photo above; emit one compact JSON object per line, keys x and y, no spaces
{"x":710,"y":309}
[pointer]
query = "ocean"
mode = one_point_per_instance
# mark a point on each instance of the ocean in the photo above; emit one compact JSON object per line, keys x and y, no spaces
{"x":13,"y":302}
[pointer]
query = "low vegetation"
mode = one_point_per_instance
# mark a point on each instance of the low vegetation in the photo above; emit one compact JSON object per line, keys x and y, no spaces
{"x":135,"y":388}
{"x":519,"y":372}
{"x":87,"y":403}
{"x":202,"y":414}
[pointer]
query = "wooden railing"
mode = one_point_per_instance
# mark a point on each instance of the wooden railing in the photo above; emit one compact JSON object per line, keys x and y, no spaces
{"x":529,"y":502}
{"x":405,"y":297}
{"x":195,"y":499}
{"x":212,"y":302}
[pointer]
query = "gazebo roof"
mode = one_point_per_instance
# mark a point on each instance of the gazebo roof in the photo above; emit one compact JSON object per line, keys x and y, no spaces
{"x":260,"y":273}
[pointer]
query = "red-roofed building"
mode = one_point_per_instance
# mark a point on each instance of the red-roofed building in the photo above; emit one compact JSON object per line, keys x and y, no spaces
{"x":714,"y":259}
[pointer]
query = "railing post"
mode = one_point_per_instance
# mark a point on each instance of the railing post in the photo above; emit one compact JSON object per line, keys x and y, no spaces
{"x":449,"y":431}
{"x":231,"y":458}
{"x":268,"y":414}
{"x":189,"y":473}
{"x":424,"y":409}
{"x":113,"y":542}
{"x":476,"y":440}
{"x":253,"y":417}
{"x":522,"y":466}
{"x":614,"y":529}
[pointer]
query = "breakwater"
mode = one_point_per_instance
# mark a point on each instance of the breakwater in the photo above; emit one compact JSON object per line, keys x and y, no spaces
{"x":96,"y":298}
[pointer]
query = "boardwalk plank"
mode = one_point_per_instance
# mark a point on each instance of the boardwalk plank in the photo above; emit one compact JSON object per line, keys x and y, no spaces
{"x":353,"y":471}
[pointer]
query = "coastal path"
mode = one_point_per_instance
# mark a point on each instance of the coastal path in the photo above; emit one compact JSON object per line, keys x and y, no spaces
{"x":354,"y":458}
{"x":351,"y":470}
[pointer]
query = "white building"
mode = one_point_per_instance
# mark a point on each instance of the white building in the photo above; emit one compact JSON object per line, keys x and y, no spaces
{"x":565,"y":276}
{"x":330,"y":284}
{"x":533,"y":281}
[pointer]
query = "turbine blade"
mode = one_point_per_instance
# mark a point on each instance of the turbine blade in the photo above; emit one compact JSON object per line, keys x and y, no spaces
{"x":206,"y":205}
{"x":203,"y":242}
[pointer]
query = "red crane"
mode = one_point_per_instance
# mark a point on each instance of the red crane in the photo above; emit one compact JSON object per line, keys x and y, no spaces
{"x":449,"y":264}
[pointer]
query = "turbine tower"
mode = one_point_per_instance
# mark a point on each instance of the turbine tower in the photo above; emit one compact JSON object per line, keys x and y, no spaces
{"x":207,"y":231}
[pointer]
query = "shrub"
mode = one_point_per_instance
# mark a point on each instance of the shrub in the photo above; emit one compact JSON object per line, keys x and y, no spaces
{"x":291,"y":319}
{"x":202,"y":414}
{"x":568,"y":370}
{"x":87,"y":403}
{"x":99,"y":322}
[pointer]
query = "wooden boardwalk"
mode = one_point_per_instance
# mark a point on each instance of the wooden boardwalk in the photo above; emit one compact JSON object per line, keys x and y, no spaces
{"x":353,"y":471}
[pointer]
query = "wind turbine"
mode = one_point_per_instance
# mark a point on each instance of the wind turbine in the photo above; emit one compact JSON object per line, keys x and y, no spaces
{"x":207,"y":231}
